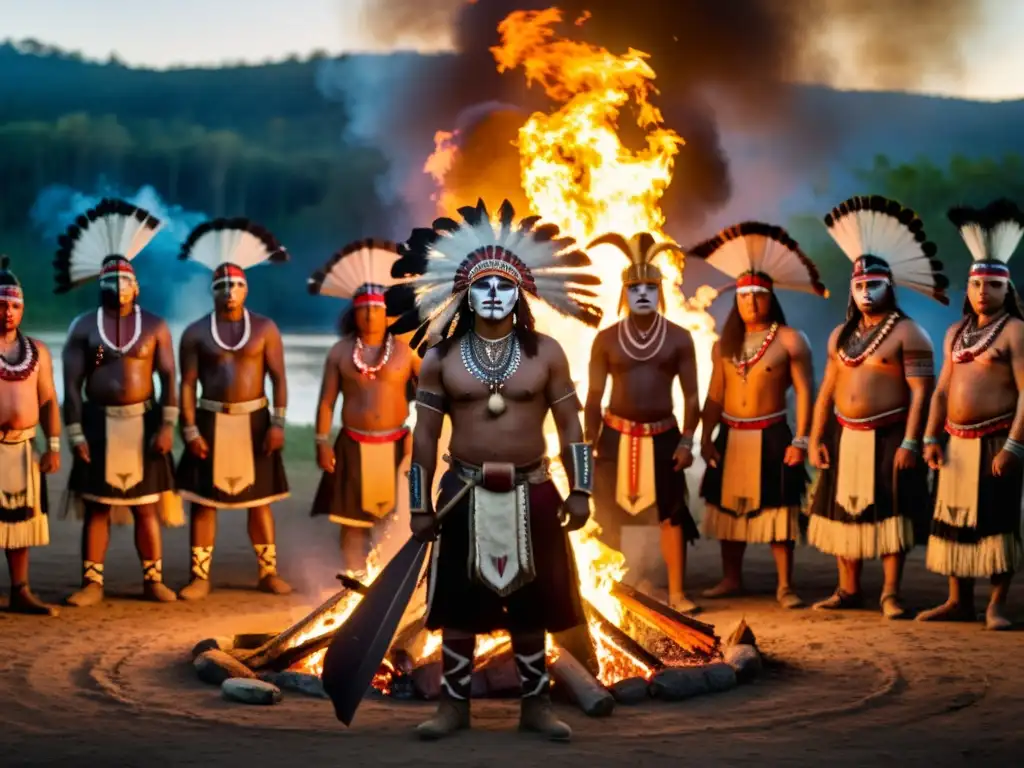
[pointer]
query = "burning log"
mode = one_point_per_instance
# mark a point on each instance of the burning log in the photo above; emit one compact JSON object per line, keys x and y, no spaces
{"x":581,"y":686}
{"x":621,"y":640}
{"x":684,"y":630}
{"x":269,"y":652}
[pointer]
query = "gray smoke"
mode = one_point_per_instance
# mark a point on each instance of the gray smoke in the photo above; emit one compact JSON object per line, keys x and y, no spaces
{"x":722,"y":65}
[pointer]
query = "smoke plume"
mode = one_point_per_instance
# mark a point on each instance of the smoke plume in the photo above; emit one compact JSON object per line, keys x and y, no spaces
{"x":721,"y":65}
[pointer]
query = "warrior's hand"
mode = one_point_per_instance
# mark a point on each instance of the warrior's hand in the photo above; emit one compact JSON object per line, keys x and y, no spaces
{"x":49,"y":462}
{"x":933,"y":456}
{"x":1004,"y":463}
{"x":794,"y":457}
{"x":819,"y":455}
{"x":274,"y":441}
{"x":325,"y":457}
{"x":199,"y":448}
{"x":423,"y":527}
{"x":81,"y":451}
{"x":576,"y":511}
{"x":904,"y":459}
{"x":681,"y":458}
{"x":710,"y":454}
{"x":164,"y":440}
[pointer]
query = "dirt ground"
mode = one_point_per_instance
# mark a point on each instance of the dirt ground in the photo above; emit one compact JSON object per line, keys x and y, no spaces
{"x":113,"y":685}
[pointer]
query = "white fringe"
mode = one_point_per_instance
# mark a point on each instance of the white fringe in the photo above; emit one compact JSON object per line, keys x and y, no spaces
{"x":772,"y":524}
{"x":170,"y":508}
{"x":861,"y":541}
{"x":34,"y":532}
{"x":990,"y":556}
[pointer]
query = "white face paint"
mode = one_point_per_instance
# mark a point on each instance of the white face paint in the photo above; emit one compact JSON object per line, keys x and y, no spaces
{"x":869,"y":295}
{"x":493,"y":298}
{"x":642,"y":298}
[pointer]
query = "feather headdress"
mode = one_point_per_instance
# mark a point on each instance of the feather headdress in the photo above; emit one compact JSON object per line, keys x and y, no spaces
{"x":992,"y":234}
{"x":885,"y":240}
{"x":361,"y":272}
{"x":10,"y":286}
{"x":641,"y":250}
{"x":102,"y":242}
{"x":228,"y":247}
{"x":760,"y":257}
{"x":439,"y":264}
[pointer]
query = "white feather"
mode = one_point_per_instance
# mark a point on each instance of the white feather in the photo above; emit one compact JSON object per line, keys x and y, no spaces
{"x":111,"y":234}
{"x":229,"y":246}
{"x":369,"y":264}
{"x":1004,"y":238}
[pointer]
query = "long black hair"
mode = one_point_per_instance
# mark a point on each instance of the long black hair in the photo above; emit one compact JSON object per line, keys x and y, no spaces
{"x":731,"y":342}
{"x":524,"y":328}
{"x":854,"y":315}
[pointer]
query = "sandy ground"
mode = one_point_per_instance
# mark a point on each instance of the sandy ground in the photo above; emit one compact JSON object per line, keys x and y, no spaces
{"x":113,"y":686}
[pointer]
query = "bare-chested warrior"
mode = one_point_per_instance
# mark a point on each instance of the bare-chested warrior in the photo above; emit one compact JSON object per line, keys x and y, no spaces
{"x":374,"y":373}
{"x":870,"y":496}
{"x":120,"y":439}
{"x":641,"y":453}
{"x":979,"y":403}
{"x":27,"y":402}
{"x":755,"y":479}
{"x":233,"y":442}
{"x":502,"y":559}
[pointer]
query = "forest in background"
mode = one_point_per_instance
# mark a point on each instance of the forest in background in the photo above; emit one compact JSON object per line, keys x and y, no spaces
{"x":264,"y":142}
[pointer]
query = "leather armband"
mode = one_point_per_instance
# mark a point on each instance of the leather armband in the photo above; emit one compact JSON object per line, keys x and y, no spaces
{"x":75,"y":434}
{"x":419,"y":491}
{"x":278,"y":418}
{"x":432,"y":401}
{"x":578,"y":460}
{"x":170,"y":415}
{"x":918,"y":365}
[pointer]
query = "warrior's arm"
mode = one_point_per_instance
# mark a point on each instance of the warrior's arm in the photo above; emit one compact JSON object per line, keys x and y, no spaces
{"x":188,"y":355}
{"x":598,"y":378}
{"x":713,"y":403}
{"x":688,"y":380}
{"x":577,"y":456}
{"x":430,"y":408}
{"x":273,"y":351}
{"x":1017,"y":361}
{"x":164,"y":363}
{"x":330,"y":386}
{"x":801,"y":373}
{"x":73,"y":359}
{"x":49,"y":412}
{"x":919,"y":371}
{"x":940,"y":397}
{"x":823,"y":405}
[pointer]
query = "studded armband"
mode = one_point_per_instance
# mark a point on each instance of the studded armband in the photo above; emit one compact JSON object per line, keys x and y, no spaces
{"x":578,"y":460}
{"x":419,"y":491}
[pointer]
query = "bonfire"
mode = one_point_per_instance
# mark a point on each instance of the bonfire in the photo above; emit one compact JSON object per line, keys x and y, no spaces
{"x":578,"y":174}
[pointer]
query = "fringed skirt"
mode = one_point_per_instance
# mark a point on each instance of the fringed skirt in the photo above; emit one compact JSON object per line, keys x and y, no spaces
{"x":23,"y":501}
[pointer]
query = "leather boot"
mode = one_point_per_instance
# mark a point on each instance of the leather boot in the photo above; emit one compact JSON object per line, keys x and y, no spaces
{"x":456,"y":677}
{"x":536,"y":715}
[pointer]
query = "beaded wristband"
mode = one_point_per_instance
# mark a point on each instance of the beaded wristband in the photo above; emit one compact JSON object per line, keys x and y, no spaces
{"x":75,"y":435}
{"x":322,"y":439}
{"x":278,"y":418}
{"x":1014,"y":447}
{"x":686,"y":441}
{"x":54,"y":444}
{"x":190,"y":433}
{"x":911,"y":445}
{"x":800,"y":442}
{"x":170,"y":414}
{"x":930,"y":440}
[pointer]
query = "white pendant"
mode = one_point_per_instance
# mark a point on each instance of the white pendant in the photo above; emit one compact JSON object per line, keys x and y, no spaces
{"x":496,"y":404}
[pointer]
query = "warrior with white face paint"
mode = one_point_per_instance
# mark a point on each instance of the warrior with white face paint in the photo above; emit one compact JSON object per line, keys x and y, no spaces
{"x":493,"y":298}
{"x":866,"y":437}
{"x":641,"y":454}
{"x":233,"y":440}
{"x":975,"y":433}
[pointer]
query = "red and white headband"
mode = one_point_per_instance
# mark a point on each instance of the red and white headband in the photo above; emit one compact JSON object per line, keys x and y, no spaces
{"x":12,"y":294}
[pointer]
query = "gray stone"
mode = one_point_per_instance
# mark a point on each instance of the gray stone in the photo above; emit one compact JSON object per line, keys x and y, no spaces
{"x":632,"y":690}
{"x":299,"y":682}
{"x":211,"y":644}
{"x":215,"y":666}
{"x":745,"y":659}
{"x":720,"y":677}
{"x":679,"y":683}
{"x":248,"y":691}
{"x":741,"y":634}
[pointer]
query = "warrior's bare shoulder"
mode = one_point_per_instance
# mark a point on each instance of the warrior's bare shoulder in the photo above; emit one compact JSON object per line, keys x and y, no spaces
{"x":263,"y":325}
{"x":606,"y":336}
{"x":81,"y":326}
{"x":679,"y":334}
{"x":339,"y":349}
{"x":550,"y":349}
{"x":431,"y":370}
{"x":1014,"y":334}
{"x":153,"y":323}
{"x":912,"y":336}
{"x":194,"y":330}
{"x":794,"y":341}
{"x":950,"y":335}
{"x":44,"y":351}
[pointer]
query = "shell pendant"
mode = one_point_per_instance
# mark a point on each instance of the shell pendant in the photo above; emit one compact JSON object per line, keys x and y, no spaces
{"x":496,"y":404}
